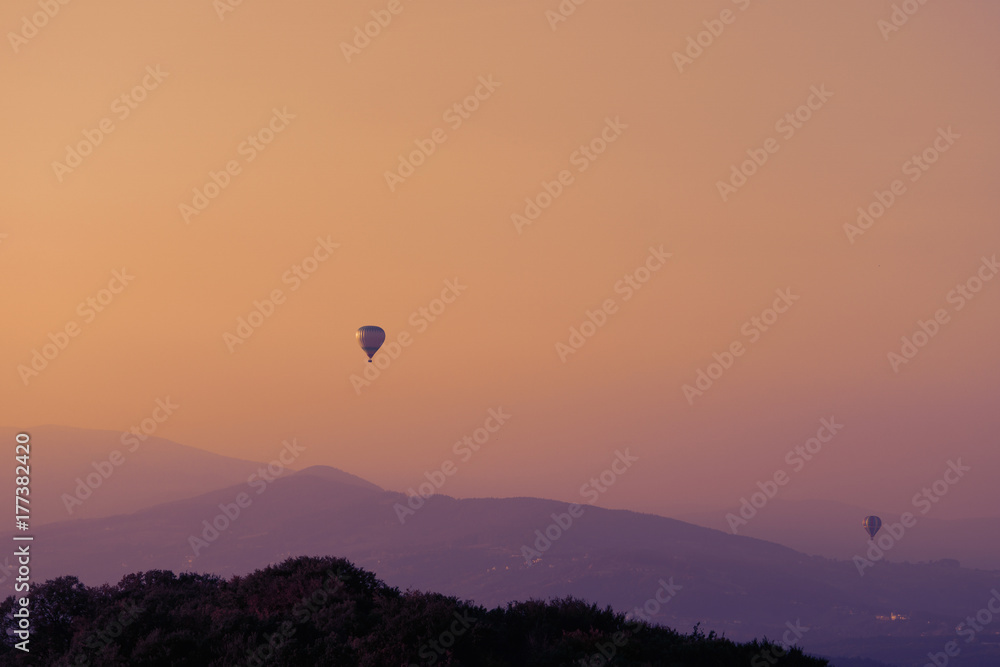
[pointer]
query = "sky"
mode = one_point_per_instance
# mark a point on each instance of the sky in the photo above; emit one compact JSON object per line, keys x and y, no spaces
{"x":185,"y":165}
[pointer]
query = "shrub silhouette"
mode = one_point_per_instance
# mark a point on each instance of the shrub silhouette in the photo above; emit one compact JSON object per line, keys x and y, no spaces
{"x":326,"y":611}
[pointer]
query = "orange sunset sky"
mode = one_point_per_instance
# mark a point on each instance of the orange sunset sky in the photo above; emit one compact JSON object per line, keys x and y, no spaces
{"x":345,"y":118}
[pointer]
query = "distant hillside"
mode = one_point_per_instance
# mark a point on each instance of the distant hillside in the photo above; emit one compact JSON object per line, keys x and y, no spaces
{"x":474,"y":549}
{"x":834,"y":530}
{"x":325,"y":611}
{"x":84,"y":474}
{"x":338,"y":476}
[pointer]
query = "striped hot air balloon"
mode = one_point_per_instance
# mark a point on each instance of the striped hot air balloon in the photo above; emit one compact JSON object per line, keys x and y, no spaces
{"x":872,"y":524}
{"x":370,"y":339}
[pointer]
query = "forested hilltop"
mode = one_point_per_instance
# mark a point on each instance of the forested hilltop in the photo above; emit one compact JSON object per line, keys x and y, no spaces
{"x":326,"y":611}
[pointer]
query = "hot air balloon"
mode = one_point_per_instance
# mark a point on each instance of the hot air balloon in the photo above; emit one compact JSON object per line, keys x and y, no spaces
{"x":872,"y":524}
{"x":370,"y":339}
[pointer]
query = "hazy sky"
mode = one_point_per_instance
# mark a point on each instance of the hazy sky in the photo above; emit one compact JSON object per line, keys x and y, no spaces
{"x":308,"y":128}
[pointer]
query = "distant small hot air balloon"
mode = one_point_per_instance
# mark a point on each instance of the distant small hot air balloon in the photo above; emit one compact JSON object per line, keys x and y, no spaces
{"x":370,"y":339}
{"x":872,"y":524}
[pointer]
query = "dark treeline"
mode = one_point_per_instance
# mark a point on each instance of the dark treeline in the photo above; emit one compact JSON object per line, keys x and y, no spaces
{"x":325,"y":611}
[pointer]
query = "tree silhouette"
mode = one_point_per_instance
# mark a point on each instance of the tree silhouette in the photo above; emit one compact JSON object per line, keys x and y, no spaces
{"x":326,"y":611}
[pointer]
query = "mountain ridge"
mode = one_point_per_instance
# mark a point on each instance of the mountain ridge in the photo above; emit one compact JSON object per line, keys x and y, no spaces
{"x":474,"y":549}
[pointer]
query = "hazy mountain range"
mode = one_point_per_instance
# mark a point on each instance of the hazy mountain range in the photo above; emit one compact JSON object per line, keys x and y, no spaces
{"x":73,"y":476}
{"x":834,"y":530}
{"x":476,"y":549}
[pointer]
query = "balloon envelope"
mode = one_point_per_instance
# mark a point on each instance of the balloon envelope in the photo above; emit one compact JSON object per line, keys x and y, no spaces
{"x":872,"y":524}
{"x":370,"y":339}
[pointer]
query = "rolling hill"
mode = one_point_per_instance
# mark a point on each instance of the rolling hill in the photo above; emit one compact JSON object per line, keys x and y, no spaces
{"x":489,"y":550}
